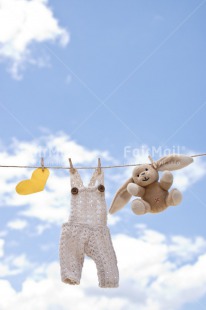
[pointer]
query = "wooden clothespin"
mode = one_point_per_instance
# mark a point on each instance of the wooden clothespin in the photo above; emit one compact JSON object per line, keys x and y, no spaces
{"x":42,"y":164}
{"x":71,"y":166}
{"x":152,"y":162}
{"x":99,"y":166}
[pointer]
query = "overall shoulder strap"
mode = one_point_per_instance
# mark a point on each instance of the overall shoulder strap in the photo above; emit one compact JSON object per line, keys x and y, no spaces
{"x":75,"y":179}
{"x":96,"y":177}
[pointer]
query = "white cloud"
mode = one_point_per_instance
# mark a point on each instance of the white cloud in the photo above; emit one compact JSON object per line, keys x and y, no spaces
{"x":150,"y":278}
{"x":23,"y":23}
{"x":186,"y":247}
{"x":21,"y":262}
{"x":41,"y":228}
{"x":188,"y":176}
{"x":13,"y":265}
{"x":113,"y":219}
{"x":1,"y":247}
{"x":17,"y":224}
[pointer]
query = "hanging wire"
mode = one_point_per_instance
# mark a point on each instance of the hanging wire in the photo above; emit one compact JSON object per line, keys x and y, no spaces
{"x":198,"y":155}
{"x":83,"y":168}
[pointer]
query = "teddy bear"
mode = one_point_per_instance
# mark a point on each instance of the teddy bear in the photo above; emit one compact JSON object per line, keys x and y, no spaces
{"x":154,"y":195}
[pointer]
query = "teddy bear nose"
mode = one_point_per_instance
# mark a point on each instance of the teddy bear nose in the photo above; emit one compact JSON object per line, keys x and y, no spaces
{"x":143,"y":173}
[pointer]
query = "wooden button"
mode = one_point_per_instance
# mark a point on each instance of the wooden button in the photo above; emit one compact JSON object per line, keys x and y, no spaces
{"x":74,"y":190}
{"x":101,"y":188}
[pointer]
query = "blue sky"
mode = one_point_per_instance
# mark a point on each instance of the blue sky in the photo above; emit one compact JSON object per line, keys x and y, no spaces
{"x":84,"y":79}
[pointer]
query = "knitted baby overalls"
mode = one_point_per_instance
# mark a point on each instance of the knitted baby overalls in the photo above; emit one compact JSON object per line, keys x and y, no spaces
{"x":86,"y":232}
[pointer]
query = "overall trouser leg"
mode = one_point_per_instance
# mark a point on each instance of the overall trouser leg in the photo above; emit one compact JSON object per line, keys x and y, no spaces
{"x":72,"y":253}
{"x":101,"y":250}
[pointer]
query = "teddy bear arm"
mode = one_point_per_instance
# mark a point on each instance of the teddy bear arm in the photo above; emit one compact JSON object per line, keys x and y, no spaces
{"x":166,"y":180}
{"x":135,"y":190}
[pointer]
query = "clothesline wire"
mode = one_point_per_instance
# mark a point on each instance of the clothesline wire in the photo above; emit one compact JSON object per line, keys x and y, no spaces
{"x":83,"y":168}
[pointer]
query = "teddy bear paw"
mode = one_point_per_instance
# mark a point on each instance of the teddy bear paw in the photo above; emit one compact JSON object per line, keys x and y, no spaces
{"x":167,"y":177}
{"x":176,"y":196}
{"x":138,"y":207}
{"x":132,"y":189}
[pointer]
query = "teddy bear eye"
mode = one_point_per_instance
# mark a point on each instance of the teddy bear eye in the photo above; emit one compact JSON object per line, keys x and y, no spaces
{"x":146,"y":169}
{"x":138,"y":175}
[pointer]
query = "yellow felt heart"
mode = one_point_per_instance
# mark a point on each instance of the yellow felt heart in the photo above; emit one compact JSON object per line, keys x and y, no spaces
{"x":35,"y":184}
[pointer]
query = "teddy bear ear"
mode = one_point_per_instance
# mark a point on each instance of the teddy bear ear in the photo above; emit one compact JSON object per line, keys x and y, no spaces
{"x":173,"y":162}
{"x":121,"y":197}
